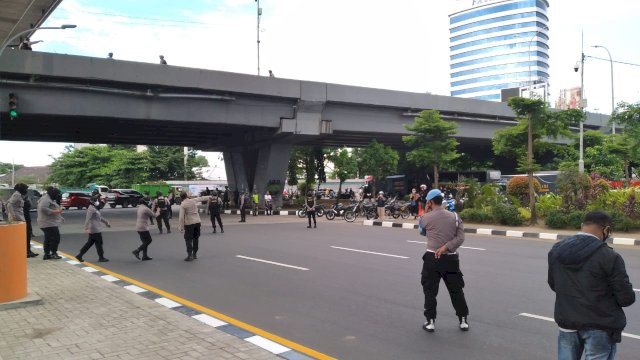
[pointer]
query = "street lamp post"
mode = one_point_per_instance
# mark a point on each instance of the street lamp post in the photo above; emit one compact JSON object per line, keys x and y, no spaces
{"x":582,"y":106}
{"x":258,"y":33}
{"x":613,"y":104}
{"x":62,"y":27}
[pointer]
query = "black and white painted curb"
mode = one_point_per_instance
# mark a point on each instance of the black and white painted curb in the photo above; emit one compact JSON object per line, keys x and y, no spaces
{"x":510,"y":233}
{"x":269,"y":345}
{"x":260,"y":212}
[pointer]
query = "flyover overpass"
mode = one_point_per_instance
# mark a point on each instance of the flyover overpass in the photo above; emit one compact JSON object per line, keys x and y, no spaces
{"x":253,"y":120}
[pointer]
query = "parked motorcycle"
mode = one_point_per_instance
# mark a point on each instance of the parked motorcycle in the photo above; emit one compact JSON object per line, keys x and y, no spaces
{"x":336,"y":210}
{"x":320,"y":210}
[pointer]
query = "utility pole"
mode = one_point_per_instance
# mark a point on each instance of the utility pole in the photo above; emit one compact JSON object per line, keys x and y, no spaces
{"x":582,"y":107}
{"x":258,"y":33}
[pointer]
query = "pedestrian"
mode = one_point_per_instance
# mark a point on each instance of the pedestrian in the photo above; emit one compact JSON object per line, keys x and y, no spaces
{"x":255,"y":200}
{"x":380,"y":203}
{"x":160,"y":209}
{"x":226,"y":198}
{"x":310,"y":207}
{"x":49,"y":218}
{"x":445,"y":233}
{"x":189,"y":224}
{"x":591,"y":286}
{"x":162,"y":60}
{"x":142,"y":227}
{"x":93,"y":226}
{"x":172,"y":200}
{"x":149,"y":204}
{"x":18,"y":208}
{"x":244,"y":204}
{"x":214,"y":205}
{"x":268,"y":207}
{"x":414,"y":197}
{"x":422,"y":201}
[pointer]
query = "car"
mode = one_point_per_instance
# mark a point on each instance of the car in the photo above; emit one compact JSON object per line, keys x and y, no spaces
{"x":79,"y":199}
{"x":123,"y":197}
{"x":134,"y":196}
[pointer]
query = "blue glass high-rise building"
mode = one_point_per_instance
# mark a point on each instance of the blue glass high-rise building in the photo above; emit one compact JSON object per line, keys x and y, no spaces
{"x":497,"y":44}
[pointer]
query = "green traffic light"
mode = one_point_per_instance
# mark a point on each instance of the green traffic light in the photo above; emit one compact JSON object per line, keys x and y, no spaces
{"x":13,"y":114}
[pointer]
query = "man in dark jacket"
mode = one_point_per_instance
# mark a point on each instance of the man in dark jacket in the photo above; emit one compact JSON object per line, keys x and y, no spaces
{"x":592,"y":287}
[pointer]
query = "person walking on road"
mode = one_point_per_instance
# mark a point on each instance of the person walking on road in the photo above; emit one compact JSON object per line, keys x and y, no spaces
{"x":310,"y":207}
{"x":244,"y":204}
{"x":591,"y":286}
{"x":214,"y":205}
{"x":160,"y":209}
{"x":171,"y":197}
{"x":189,"y":224}
{"x":93,"y":226}
{"x":445,"y":234}
{"x":380,"y":203}
{"x":49,"y":218}
{"x":226,"y":198}
{"x":18,"y":208}
{"x":148,"y":203}
{"x":142,"y":227}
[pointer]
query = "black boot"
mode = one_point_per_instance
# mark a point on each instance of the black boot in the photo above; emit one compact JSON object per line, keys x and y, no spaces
{"x":189,"y":257}
{"x":136,"y":253}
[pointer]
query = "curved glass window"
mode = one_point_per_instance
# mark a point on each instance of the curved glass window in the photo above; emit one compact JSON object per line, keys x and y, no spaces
{"x":500,"y":77}
{"x":526,"y":35}
{"x":497,"y":9}
{"x":501,"y":67}
{"x":499,"y":19}
{"x":498,"y":29}
{"x":498,"y":58}
{"x":498,"y":48}
{"x":486,"y":88}
{"x":488,"y":97}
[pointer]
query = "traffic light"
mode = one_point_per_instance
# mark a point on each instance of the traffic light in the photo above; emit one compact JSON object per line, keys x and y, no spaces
{"x":13,"y":106}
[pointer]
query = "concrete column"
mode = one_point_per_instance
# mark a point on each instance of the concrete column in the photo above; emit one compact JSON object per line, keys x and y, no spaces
{"x":236,"y":174}
{"x":272,"y":165}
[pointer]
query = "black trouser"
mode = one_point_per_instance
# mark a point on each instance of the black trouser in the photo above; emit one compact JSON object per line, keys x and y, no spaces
{"x":225,"y":204}
{"x":170,"y":211}
{"x":27,"y":219}
{"x":215,"y":217}
{"x":311,"y":214}
{"x":93,"y":239}
{"x":447,"y":268}
{"x":191,"y":237}
{"x":145,"y":237}
{"x":243,"y":215}
{"x":267,"y":208}
{"x":51,"y":240}
{"x":164,"y":216}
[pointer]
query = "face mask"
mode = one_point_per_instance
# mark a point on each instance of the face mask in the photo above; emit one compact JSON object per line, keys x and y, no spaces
{"x":606,"y":234}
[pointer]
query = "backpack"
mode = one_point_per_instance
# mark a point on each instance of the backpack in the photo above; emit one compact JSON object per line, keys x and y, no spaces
{"x":162,"y":204}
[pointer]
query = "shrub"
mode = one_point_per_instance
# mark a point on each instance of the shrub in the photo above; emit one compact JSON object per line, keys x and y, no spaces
{"x":489,"y":196}
{"x":575,"y":219}
{"x":548,"y":202}
{"x":621,"y":222}
{"x":556,"y":219}
{"x":575,"y":189}
{"x":525,"y":213}
{"x":476,"y":215}
{"x":518,"y":186}
{"x":506,"y":215}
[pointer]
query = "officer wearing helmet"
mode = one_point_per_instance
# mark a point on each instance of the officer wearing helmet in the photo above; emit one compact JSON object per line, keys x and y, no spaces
{"x":93,"y":227}
{"x":310,"y":206}
{"x":445,"y":234}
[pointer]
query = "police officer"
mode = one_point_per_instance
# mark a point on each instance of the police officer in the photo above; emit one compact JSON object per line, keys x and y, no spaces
{"x":214,"y":205}
{"x":445,"y":234}
{"x":18,"y":208}
{"x":49,"y":218}
{"x":93,"y":226}
{"x":310,"y":205}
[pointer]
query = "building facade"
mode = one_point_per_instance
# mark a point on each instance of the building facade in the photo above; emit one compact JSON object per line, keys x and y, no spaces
{"x":497,"y":44}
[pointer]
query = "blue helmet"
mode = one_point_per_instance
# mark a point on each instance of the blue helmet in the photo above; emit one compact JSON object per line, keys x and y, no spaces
{"x":434,"y":193}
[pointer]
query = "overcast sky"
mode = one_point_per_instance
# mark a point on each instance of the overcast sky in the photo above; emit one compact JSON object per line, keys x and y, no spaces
{"x":398,"y":45}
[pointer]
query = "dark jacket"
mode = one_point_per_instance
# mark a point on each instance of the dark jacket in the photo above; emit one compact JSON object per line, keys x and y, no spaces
{"x":591,"y":284}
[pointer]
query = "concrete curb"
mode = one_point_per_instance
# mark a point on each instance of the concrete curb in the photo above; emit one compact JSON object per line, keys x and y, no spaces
{"x":260,"y":212}
{"x":510,"y":233}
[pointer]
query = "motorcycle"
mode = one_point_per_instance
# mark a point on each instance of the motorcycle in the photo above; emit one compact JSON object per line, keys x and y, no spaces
{"x":320,"y":210}
{"x":336,"y":210}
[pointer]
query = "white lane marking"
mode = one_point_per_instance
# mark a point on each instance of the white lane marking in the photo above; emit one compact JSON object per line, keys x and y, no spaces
{"x":209,"y":320}
{"x":271,"y":262}
{"x":267,"y":344}
{"x":110,"y":278}
{"x":73,"y":262}
{"x":551,"y":320}
{"x":135,"y":289}
{"x":514,"y":233}
{"x":370,"y":252}
{"x":624,"y":241}
{"x":483,"y":231}
{"x":167,"y":302}
{"x":462,"y":247}
{"x":89,"y":269}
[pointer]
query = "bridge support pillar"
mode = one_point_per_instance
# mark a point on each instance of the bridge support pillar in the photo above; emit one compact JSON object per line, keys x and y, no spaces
{"x":271,"y":168}
{"x":236,"y":174}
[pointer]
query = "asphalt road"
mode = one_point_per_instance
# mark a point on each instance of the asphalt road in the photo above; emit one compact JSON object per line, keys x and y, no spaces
{"x":352,"y":304}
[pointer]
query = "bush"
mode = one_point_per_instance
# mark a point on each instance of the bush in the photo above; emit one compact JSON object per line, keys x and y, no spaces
{"x":525,"y":213}
{"x":518,"y":186}
{"x":575,"y":189}
{"x":475,"y":216}
{"x":548,"y":202}
{"x":506,"y":215}
{"x":556,"y":219}
{"x":621,"y":222}
{"x":574,"y":219}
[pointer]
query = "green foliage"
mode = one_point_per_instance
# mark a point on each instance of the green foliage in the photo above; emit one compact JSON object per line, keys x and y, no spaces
{"x":470,"y":188}
{"x":274,"y":188}
{"x":6,"y":168}
{"x":304,"y":187}
{"x":506,"y":215}
{"x":574,"y":188}
{"x":621,"y":222}
{"x":344,"y":165}
{"x":548,"y":202}
{"x":432,"y":141}
{"x":307,"y":161}
{"x":524,"y":213}
{"x":476,"y":215}
{"x":376,"y":159}
{"x":518,"y":186}
{"x":556,"y":219}
{"x":574,"y":219}
{"x":28,"y":179}
{"x":488,"y":196}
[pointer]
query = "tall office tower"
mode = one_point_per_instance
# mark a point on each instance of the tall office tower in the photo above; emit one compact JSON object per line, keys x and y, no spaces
{"x":498,"y":44}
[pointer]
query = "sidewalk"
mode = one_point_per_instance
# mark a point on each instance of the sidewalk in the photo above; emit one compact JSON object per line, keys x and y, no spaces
{"x":540,"y":232}
{"x":85,"y":316}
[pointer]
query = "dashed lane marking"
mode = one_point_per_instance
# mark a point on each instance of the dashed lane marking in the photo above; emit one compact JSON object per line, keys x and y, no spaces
{"x":637,"y":337}
{"x":271,"y":262}
{"x":462,"y":247}
{"x":370,"y":252}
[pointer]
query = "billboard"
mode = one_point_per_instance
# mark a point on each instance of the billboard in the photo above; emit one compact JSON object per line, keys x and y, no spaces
{"x":569,"y":99}
{"x":537,"y":91}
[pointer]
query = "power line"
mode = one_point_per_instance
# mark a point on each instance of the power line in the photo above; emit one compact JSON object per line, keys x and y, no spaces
{"x":145,"y":18}
{"x":607,"y":60}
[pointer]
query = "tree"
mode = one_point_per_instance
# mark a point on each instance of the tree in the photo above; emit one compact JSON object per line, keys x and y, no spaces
{"x":628,"y":145}
{"x":344,"y":166}
{"x":535,"y":124}
{"x":376,"y":159}
{"x":167,"y":163}
{"x":307,"y":161}
{"x":6,"y":168}
{"x":432,"y":142}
